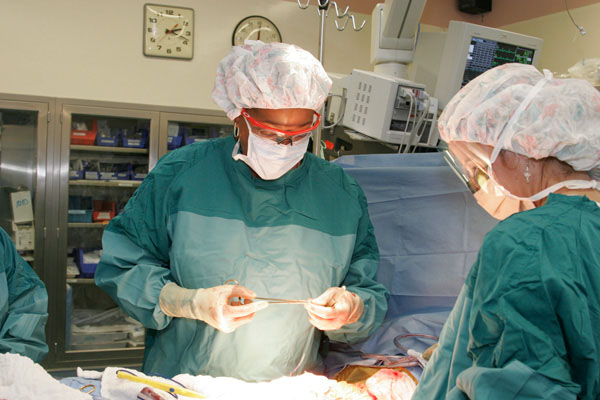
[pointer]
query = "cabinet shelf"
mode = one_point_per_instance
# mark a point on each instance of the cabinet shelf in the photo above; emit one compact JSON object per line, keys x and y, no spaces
{"x":99,"y":225}
{"x":81,"y":281}
{"x":109,"y":149}
{"x":87,"y":182}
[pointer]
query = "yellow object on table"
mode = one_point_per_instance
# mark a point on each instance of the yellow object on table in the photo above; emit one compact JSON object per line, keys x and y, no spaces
{"x":159,"y":385}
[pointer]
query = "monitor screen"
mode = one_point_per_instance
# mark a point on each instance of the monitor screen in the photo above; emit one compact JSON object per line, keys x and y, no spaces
{"x":470,"y":50}
{"x":485,"y":54}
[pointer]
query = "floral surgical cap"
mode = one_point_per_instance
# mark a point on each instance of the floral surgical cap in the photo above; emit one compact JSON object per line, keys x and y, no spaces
{"x":269,"y":75}
{"x":529,"y":113}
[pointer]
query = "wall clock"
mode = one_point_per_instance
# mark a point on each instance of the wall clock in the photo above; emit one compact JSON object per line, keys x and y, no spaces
{"x":255,"y":27}
{"x":168,"y":31}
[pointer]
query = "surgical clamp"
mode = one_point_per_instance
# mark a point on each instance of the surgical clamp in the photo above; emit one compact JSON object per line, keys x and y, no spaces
{"x":280,"y":301}
{"x":269,"y":299}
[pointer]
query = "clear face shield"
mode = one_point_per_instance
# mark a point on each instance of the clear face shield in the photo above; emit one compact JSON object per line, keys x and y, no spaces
{"x":469,"y":163}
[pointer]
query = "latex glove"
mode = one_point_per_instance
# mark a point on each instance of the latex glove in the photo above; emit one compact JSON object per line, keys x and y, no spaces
{"x":210,"y":305}
{"x":335,"y":308}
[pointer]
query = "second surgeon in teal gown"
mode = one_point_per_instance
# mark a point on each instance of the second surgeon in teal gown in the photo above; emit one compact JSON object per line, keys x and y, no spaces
{"x":201,"y":218}
{"x":23,"y":305}
{"x":526,"y":323}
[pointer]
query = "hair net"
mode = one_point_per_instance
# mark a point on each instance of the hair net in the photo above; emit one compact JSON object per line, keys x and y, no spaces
{"x":528,"y":113}
{"x":269,"y":75}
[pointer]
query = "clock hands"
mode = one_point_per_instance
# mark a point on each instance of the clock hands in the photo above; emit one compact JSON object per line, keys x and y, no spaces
{"x":173,"y":31}
{"x":167,"y":31}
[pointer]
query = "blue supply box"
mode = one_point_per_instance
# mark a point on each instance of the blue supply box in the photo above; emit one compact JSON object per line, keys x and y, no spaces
{"x":76,"y":169}
{"x":80,"y":209}
{"x":123,"y":171}
{"x":86,"y":269}
{"x":176,"y":134}
{"x":195,"y":135}
{"x":107,"y":136}
{"x":135,"y":139}
{"x":139,"y":172}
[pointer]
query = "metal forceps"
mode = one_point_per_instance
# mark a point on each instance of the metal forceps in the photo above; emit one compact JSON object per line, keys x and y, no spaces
{"x":269,"y":299}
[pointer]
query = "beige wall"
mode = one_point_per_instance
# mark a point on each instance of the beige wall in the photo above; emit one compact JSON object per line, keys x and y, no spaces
{"x":563,"y":45}
{"x":92,"y":49}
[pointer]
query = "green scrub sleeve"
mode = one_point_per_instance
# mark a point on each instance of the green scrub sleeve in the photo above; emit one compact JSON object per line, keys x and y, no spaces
{"x":362,"y":280}
{"x":135,"y":258}
{"x":450,"y":357}
{"x":513,"y":381}
{"x":23,"y":305}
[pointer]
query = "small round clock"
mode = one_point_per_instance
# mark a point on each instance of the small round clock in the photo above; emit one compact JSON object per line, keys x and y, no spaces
{"x":168,"y":31}
{"x":255,"y":27}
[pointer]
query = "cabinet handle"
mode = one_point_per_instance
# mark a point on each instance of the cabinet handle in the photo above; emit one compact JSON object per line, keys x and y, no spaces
{"x":58,"y":233}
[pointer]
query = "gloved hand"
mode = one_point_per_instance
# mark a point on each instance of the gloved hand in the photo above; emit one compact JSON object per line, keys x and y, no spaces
{"x":210,"y":305}
{"x":335,"y":308}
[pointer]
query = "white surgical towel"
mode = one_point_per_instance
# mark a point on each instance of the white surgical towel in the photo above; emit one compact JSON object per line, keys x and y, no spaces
{"x":22,"y":379}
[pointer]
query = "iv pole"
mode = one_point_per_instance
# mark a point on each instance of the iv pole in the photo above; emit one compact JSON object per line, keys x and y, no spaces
{"x":323,"y":11}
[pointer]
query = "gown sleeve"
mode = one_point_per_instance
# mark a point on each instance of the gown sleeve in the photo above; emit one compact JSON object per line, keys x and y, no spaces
{"x":23,"y":305}
{"x":362,"y":280}
{"x":135,"y":258}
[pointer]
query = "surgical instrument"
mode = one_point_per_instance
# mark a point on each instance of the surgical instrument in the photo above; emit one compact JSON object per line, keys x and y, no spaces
{"x":269,"y":299}
{"x":280,"y":301}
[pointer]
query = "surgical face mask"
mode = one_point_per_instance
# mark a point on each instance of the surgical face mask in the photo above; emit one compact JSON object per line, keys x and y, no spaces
{"x":497,"y":203}
{"x":269,"y":159}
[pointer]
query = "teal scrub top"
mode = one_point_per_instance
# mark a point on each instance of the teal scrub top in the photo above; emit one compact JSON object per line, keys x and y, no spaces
{"x":526,"y":324}
{"x":23,"y":305}
{"x":200,"y":218}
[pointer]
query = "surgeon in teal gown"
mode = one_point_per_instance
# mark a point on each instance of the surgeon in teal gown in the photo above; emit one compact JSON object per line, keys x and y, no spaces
{"x":526,"y":323}
{"x":257,"y":209}
{"x":23,"y":305}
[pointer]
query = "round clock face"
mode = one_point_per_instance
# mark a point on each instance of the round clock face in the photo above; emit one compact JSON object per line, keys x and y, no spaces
{"x":168,"y":31}
{"x":255,"y":27}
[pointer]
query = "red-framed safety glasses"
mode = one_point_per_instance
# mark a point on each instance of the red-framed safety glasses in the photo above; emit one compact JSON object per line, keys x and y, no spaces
{"x":279,"y":135}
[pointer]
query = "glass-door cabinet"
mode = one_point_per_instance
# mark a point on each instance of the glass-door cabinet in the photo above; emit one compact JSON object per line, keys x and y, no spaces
{"x":24,"y":127}
{"x":105,"y":153}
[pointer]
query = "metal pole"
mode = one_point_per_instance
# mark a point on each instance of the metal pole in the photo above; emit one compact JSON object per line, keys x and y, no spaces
{"x":317,"y":136}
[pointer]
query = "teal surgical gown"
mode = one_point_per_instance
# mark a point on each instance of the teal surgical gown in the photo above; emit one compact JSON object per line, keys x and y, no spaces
{"x":23,"y":305}
{"x":527,"y":322}
{"x":200,"y":218}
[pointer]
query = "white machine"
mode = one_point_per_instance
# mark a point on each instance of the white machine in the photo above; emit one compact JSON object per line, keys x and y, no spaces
{"x":383,"y":104}
{"x":389,"y":109}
